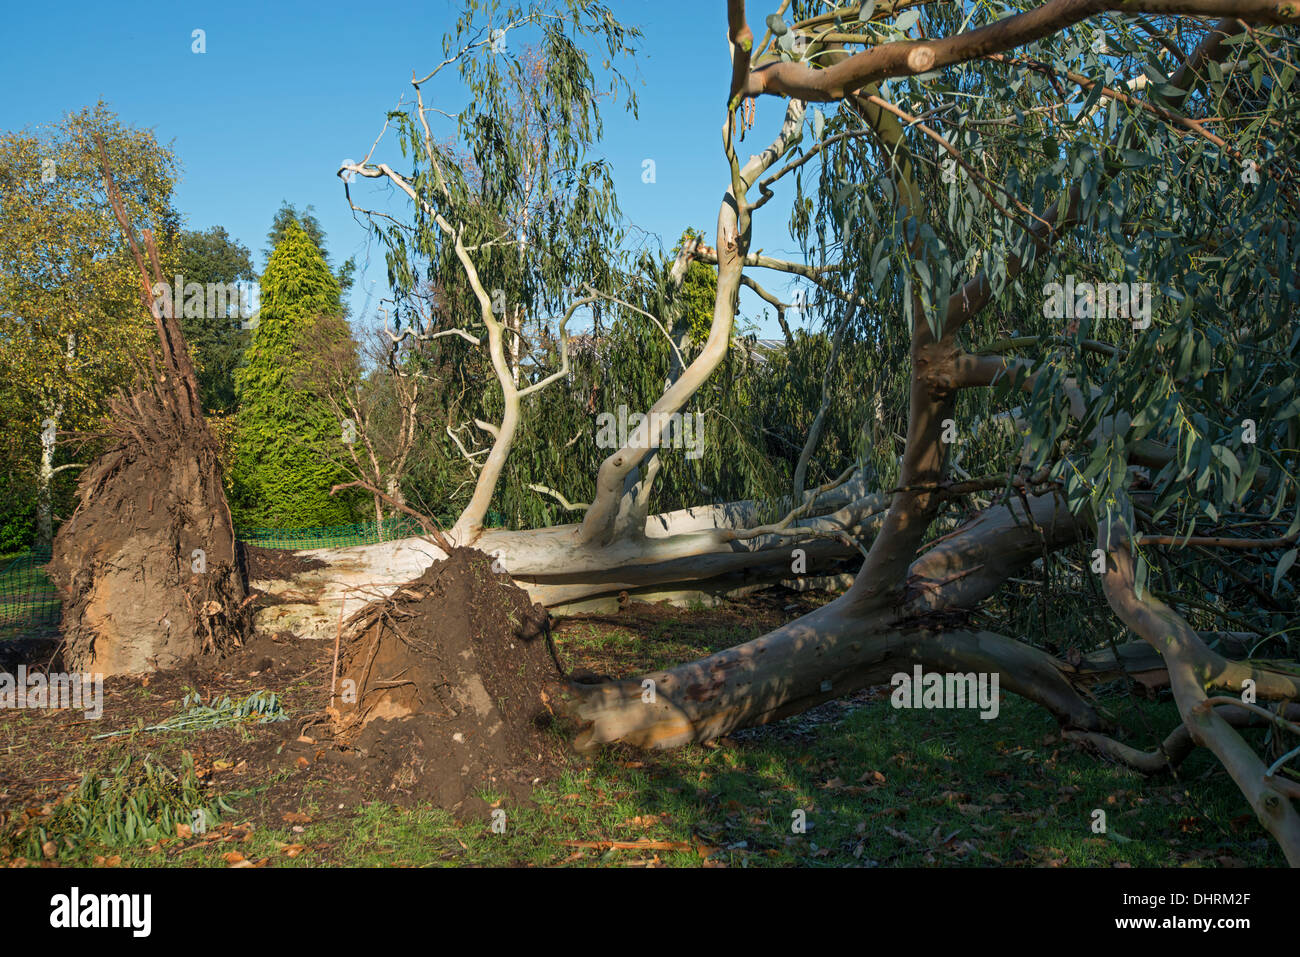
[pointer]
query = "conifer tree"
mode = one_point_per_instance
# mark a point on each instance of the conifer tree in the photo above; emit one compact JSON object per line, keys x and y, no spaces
{"x":280,"y":477}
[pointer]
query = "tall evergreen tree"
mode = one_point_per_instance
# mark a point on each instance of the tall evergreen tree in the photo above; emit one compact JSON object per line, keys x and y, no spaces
{"x":281,"y":473}
{"x":306,"y":218}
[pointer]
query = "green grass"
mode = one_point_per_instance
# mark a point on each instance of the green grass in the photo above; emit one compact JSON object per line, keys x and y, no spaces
{"x":878,"y":787}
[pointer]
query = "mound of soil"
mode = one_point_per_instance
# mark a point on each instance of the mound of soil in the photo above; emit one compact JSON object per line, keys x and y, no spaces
{"x":444,"y":689}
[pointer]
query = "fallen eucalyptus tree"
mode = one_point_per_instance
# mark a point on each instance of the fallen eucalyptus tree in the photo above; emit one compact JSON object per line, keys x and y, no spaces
{"x":1134,"y":441}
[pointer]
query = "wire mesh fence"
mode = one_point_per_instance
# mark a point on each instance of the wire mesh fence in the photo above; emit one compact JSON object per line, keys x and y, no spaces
{"x":28,"y":600}
{"x":336,"y":536}
{"x":29,"y":603}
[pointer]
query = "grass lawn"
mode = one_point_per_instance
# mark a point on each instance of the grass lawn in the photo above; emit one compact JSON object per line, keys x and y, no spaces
{"x":878,"y":787}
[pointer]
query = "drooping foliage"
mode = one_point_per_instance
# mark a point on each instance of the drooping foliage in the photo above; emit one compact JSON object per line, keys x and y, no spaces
{"x":1192,"y":352}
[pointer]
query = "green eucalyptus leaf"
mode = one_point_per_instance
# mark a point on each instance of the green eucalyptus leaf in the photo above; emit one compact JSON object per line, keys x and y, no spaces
{"x":907,"y":19}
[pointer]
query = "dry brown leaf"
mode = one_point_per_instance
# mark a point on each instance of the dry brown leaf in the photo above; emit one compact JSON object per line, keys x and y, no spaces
{"x":641,"y":845}
{"x":900,"y":835}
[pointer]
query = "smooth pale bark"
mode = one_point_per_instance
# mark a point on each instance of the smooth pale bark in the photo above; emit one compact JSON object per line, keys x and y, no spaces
{"x":687,"y":549}
{"x":1192,"y":669}
{"x":46,"y":470}
{"x":845,"y":645}
{"x":912,"y":57}
{"x":1176,"y":746}
{"x":599,"y":523}
{"x":826,"y":654}
{"x":889,"y":620}
{"x":45,"y":482}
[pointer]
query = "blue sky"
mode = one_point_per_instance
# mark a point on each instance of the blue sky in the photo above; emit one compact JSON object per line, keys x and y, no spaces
{"x":287,"y":90}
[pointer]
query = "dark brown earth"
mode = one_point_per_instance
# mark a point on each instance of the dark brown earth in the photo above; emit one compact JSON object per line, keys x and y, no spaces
{"x":267,"y":564}
{"x":146,"y":566}
{"x":445,"y":689}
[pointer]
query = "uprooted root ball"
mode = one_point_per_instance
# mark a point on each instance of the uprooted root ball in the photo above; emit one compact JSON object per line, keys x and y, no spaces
{"x":444,"y":688}
{"x":146,"y":566}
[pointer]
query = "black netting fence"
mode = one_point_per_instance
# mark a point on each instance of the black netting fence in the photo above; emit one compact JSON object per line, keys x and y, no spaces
{"x":28,"y":600}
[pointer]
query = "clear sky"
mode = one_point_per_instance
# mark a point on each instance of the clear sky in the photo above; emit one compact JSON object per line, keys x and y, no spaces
{"x":288,"y":90}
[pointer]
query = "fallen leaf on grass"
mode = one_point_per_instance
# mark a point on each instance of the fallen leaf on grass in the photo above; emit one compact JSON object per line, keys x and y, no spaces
{"x":900,"y":835}
{"x":642,"y":845}
{"x":1241,"y":821}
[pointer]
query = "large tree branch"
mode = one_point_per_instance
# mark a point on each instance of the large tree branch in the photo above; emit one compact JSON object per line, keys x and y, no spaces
{"x":733,"y":241}
{"x":1192,"y":668}
{"x":912,"y":57}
